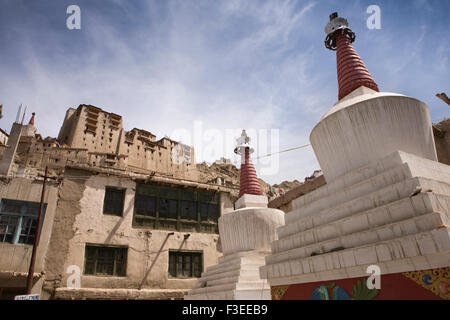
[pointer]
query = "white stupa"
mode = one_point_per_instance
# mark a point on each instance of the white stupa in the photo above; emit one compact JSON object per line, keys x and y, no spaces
{"x":386,"y":202}
{"x":245,"y":234}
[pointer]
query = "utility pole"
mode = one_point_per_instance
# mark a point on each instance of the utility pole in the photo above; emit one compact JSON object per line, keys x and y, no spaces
{"x":36,"y":236}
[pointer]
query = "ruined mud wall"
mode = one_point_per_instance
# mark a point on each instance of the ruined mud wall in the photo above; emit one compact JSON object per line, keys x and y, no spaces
{"x":442,"y":140}
{"x":68,"y":208}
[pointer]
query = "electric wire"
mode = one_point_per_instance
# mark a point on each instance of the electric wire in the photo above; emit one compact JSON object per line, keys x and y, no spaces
{"x":286,"y":150}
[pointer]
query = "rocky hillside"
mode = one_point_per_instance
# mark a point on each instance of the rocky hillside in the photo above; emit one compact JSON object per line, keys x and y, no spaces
{"x":288,"y":185}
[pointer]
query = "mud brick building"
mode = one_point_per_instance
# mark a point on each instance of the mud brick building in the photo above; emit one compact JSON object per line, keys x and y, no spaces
{"x":124,"y":215}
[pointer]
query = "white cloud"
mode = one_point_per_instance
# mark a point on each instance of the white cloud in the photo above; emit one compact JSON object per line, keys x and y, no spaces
{"x":173,"y":88}
{"x":229,"y":64}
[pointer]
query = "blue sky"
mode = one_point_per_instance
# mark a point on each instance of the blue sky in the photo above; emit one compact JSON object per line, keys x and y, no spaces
{"x":163,"y":65}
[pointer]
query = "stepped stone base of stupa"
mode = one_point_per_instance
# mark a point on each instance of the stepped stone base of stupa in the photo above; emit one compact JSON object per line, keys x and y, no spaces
{"x":393,"y":213}
{"x":246,"y":235}
{"x":235,"y":277}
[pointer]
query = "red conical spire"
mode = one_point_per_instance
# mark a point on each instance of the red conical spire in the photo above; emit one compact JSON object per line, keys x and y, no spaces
{"x":351,"y":71}
{"x":248,"y":183}
{"x":32,"y":119}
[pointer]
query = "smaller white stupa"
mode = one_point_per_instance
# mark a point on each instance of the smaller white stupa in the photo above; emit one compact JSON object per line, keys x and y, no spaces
{"x":245,"y":234}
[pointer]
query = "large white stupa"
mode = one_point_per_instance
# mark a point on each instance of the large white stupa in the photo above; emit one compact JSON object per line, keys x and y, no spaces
{"x":386,"y":204}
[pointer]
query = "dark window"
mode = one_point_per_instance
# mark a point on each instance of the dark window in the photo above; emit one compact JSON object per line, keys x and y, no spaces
{"x":8,"y":225}
{"x":28,"y":230}
{"x":209,"y":211}
{"x":105,"y":261}
{"x":168,"y":208}
{"x":213,"y":211}
{"x":189,"y":210}
{"x":171,"y":208}
{"x":18,"y":221}
{"x":185,"y":264}
{"x":145,"y":205}
{"x":114,"y":199}
{"x":203,"y":211}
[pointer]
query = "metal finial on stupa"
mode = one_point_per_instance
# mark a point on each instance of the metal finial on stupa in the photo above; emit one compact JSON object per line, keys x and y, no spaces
{"x":351,"y":71}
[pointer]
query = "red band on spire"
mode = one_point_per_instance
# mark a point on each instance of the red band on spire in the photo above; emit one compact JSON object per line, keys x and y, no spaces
{"x":351,"y":71}
{"x":249,"y":183}
{"x":32,"y":119}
